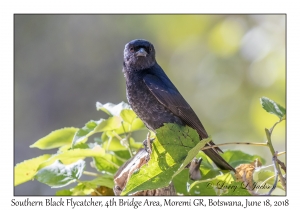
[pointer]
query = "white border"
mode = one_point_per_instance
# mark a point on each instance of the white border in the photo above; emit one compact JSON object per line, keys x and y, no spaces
{"x":8,"y":8}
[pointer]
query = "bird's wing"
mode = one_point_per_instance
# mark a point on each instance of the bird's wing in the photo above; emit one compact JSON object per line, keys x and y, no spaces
{"x":167,"y":94}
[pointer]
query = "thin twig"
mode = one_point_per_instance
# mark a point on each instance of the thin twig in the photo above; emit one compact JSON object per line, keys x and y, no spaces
{"x":115,"y":165}
{"x":271,"y":177}
{"x":119,"y":158}
{"x":281,"y":153}
{"x":271,"y":129}
{"x":269,"y":142}
{"x":282,"y":165}
{"x":117,"y":135}
{"x":276,"y":174}
{"x":90,"y":173}
{"x":229,"y":143}
{"x":127,"y":136}
{"x":122,"y":139}
{"x":98,"y":193}
{"x":108,"y":143}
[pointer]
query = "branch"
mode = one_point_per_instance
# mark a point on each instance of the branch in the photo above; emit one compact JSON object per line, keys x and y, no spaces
{"x":90,"y":173}
{"x":276,"y":174}
{"x":282,"y":165}
{"x":245,"y":143}
{"x":270,"y":145}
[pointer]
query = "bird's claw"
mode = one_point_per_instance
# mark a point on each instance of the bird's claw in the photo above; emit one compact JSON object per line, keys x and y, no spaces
{"x":147,"y":143}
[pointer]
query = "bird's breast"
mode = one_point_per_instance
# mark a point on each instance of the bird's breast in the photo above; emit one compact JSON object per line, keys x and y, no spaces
{"x":145,"y":104}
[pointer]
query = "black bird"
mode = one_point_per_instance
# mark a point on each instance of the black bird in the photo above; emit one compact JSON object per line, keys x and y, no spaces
{"x":155,"y":99}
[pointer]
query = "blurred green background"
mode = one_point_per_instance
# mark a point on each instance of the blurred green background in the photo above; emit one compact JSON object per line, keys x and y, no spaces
{"x":221,"y":64}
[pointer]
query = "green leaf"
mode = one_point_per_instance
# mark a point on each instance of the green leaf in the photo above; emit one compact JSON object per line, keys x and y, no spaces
{"x":123,"y":154}
{"x":107,"y":163}
{"x":112,"y":109}
{"x":113,"y":144}
{"x":136,"y":125}
{"x":209,"y":173}
{"x":80,"y":145}
{"x":87,"y":187}
{"x":192,"y":153}
{"x":206,"y":161}
{"x":128,"y":115}
{"x":83,"y":189}
{"x":173,"y":149}
{"x":56,"y":139}
{"x":201,"y":188}
{"x":26,"y":170}
{"x":93,"y":127}
{"x":236,"y":188}
{"x":261,"y":175}
{"x":237,"y":157}
{"x":272,"y":107}
{"x":104,"y":180}
{"x":134,"y":144}
{"x":207,"y":169}
{"x":63,"y":193}
{"x":60,"y":175}
{"x":180,"y":182}
{"x":226,"y":185}
{"x":74,"y":155}
{"x":223,"y":184}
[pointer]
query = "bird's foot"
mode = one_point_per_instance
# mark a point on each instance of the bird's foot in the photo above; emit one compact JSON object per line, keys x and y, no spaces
{"x":147,"y":143}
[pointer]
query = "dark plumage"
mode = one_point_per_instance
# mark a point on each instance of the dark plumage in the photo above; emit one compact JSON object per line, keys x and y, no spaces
{"x":155,"y":99}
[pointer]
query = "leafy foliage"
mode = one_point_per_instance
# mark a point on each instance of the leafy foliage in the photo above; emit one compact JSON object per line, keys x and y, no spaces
{"x":272,"y":107}
{"x":172,"y":150}
{"x":60,"y":175}
{"x":26,"y":170}
{"x":56,"y":139}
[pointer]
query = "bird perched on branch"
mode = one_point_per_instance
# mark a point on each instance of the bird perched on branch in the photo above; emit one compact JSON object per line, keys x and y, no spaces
{"x":155,"y":99}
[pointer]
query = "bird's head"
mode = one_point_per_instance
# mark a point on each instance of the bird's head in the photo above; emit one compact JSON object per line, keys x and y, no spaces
{"x":139,"y":54}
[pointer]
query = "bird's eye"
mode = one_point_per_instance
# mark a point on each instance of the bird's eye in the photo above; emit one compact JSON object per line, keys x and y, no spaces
{"x":150,"y":49}
{"x":131,"y":49}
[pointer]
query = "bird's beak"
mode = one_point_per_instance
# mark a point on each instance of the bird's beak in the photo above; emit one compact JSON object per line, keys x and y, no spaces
{"x":141,"y":52}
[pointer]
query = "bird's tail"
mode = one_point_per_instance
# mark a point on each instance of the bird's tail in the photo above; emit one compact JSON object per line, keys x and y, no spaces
{"x":218,"y":160}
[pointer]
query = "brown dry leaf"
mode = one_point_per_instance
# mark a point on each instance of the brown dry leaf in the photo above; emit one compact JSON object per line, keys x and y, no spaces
{"x":256,"y":163}
{"x":244,"y":173}
{"x":103,"y":191}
